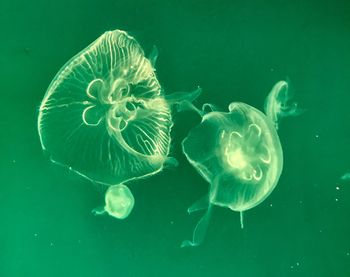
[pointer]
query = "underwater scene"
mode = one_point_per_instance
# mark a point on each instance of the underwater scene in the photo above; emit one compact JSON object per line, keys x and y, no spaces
{"x":175,"y":138}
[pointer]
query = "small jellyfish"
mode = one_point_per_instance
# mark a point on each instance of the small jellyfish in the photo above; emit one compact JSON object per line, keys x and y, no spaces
{"x":239,"y":154}
{"x":119,"y":202}
{"x":105,"y":116}
{"x":278,"y":103}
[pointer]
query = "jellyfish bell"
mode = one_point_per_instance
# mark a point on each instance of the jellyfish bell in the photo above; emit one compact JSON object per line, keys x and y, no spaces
{"x":105,"y":115}
{"x":279,"y":104}
{"x":239,"y":154}
{"x":251,"y":156}
{"x":119,"y":202}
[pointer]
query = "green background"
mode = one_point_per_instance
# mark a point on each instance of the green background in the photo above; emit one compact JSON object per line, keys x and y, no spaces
{"x":236,"y":51}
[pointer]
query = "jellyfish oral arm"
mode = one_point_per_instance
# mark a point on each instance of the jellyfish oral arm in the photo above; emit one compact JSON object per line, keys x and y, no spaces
{"x":241,"y":219}
{"x":201,"y":204}
{"x":152,"y":57}
{"x":183,"y":100}
{"x":200,"y":230}
{"x":99,"y":210}
{"x":170,"y":162}
{"x":180,"y":96}
{"x":279,"y":103}
{"x":292,"y":109}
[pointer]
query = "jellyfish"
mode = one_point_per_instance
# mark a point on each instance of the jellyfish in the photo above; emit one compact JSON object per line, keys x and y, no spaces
{"x":279,"y":103}
{"x":105,"y":115}
{"x":119,"y":202}
{"x":239,"y":154}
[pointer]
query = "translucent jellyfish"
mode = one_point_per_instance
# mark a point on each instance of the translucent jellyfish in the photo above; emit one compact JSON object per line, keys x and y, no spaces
{"x":279,"y":103}
{"x":105,"y":115}
{"x":239,"y":154}
{"x":119,"y":202}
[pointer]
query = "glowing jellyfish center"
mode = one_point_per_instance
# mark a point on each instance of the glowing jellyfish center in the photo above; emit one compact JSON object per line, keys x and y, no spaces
{"x":236,"y":159}
{"x":245,"y":153}
{"x":113,"y":101}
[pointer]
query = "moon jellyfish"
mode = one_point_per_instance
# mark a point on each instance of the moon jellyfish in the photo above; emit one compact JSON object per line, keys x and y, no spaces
{"x":278,"y":103}
{"x":105,"y":115}
{"x":119,"y":202}
{"x":239,"y":154}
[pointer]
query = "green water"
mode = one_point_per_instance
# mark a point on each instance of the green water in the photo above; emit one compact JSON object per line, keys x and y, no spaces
{"x":236,"y":51}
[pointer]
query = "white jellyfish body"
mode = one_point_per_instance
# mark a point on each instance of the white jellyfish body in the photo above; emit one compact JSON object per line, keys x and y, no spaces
{"x":239,"y":154}
{"x":119,"y":202}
